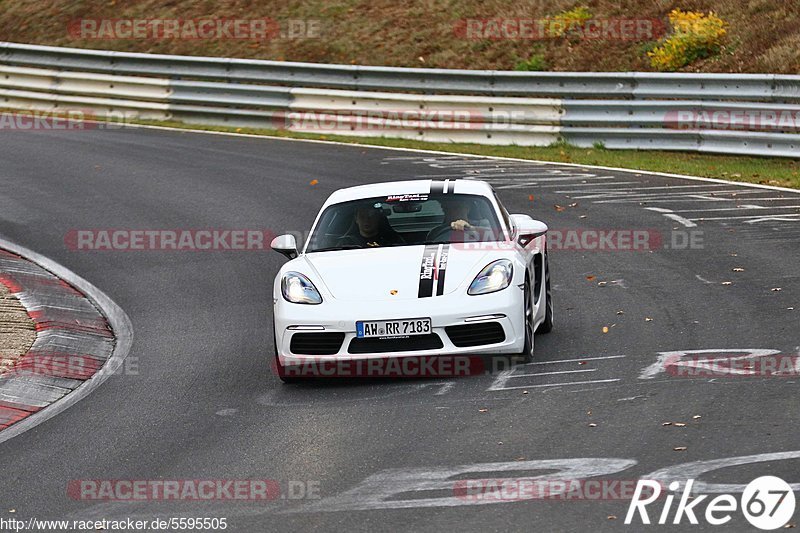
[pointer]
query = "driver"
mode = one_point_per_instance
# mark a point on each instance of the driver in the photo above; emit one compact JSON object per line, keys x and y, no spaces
{"x":456,"y":218}
{"x":373,"y":229}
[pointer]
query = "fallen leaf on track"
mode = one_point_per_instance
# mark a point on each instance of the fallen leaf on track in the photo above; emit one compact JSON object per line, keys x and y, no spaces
{"x":559,"y":207}
{"x":605,"y":329}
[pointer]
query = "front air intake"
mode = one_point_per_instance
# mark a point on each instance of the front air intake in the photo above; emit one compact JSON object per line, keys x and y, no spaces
{"x":476,"y":334}
{"x":316,"y":343}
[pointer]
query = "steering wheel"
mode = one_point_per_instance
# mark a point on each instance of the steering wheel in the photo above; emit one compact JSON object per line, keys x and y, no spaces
{"x":447,"y":230}
{"x":347,"y":240}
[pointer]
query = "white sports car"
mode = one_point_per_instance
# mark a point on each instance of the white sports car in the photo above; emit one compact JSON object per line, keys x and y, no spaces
{"x":412,"y":268}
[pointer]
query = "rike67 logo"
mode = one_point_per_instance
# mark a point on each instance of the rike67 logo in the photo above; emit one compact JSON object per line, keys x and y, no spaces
{"x":767,"y":503}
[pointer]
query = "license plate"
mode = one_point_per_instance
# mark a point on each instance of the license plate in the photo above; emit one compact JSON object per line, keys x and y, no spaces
{"x":393,"y":328}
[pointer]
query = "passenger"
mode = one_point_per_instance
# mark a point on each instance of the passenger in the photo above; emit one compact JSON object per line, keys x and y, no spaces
{"x":373,"y":229}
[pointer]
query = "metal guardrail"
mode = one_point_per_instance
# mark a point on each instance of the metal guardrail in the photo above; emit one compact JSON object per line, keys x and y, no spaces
{"x":619,"y":110}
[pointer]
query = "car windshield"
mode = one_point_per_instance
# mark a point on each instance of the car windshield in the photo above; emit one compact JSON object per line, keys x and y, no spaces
{"x":406,"y":220}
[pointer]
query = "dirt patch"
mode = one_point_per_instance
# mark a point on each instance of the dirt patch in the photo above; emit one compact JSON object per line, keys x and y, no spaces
{"x":17,"y":330}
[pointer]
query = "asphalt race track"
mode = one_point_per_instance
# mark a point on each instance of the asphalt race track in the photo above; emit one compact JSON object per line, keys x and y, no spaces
{"x":200,"y":400}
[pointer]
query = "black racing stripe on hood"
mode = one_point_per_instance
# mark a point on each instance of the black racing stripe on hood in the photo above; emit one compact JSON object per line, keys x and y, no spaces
{"x":427,"y":265}
{"x":442,"y":267}
{"x":437,"y":187}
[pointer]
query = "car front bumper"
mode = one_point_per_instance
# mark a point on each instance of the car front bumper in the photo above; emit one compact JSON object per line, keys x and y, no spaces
{"x":504,"y":307}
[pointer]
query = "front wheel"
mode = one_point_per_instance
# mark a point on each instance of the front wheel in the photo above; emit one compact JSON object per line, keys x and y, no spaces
{"x":547,"y":325}
{"x":527,"y":351}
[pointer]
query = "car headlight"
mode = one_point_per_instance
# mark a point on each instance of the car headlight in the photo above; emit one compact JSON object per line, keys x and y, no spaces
{"x":495,"y":277}
{"x":298,"y":289}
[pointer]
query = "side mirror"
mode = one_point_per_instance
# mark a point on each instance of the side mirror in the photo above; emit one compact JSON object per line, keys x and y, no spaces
{"x":286,"y":245}
{"x":527,"y":228}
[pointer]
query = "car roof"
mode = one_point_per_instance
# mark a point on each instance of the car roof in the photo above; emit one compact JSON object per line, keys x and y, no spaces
{"x":410,"y":187}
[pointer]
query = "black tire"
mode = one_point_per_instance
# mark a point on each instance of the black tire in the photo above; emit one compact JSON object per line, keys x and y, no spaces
{"x":527,"y":351}
{"x":547,"y":325}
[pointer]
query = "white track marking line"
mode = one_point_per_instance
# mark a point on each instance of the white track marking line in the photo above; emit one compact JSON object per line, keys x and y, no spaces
{"x":553,"y":373}
{"x":505,"y":376}
{"x":691,"y":199}
{"x":672,"y":216}
{"x":656,"y":195}
{"x":576,"y":360}
{"x":633,"y":189}
{"x":605,"y":183}
{"x":528,"y":177}
{"x":536,"y":171}
{"x":781,"y":218}
{"x":531,"y":183}
{"x":445,"y":388}
{"x":782,"y":198}
{"x":664,"y":200}
{"x":745,"y":207}
{"x":555,"y":384}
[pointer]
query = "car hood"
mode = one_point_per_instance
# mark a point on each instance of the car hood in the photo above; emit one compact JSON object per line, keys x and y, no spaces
{"x":396,"y":273}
